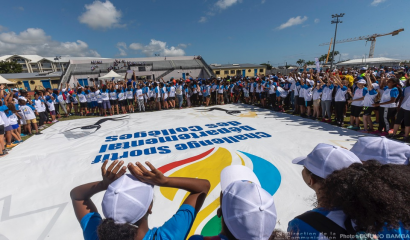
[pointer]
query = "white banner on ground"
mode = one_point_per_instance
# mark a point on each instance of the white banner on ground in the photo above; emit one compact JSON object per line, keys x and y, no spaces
{"x":37,"y":176}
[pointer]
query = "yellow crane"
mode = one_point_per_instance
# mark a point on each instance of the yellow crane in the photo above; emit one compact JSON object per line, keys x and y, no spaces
{"x":371,"y":38}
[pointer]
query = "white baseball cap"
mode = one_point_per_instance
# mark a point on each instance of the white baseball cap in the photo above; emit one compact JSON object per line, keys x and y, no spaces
{"x":127,"y":200}
{"x":362,"y":81}
{"x":248,"y":210}
{"x":326,"y":158}
{"x":381,"y":149}
{"x":15,"y":90}
{"x":363,"y":68}
{"x":235,"y":173}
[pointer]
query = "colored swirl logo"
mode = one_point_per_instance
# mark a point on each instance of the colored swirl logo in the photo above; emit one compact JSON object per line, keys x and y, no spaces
{"x":208,"y":165}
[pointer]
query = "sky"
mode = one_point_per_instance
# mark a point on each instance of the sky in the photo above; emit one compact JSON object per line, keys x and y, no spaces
{"x":221,"y":31}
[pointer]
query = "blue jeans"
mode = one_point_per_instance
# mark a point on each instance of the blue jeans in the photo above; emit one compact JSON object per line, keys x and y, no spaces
{"x":179,"y":98}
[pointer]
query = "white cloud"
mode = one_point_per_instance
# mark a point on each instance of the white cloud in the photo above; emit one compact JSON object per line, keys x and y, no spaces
{"x":122,"y":46}
{"x":136,"y":46}
{"x":263,"y":1}
{"x":224,"y":4}
{"x":317,"y":20}
{"x":377,"y":2}
{"x":35,"y":41}
{"x":219,"y":6}
{"x":203,"y":19}
{"x":2,"y":28}
{"x":292,"y":22}
{"x":158,"y":47}
{"x":101,"y":15}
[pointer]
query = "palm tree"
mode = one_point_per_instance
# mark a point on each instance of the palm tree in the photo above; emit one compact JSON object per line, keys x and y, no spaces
{"x":300,"y":62}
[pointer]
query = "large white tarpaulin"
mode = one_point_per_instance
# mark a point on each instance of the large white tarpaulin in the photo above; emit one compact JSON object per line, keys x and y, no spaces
{"x":37,"y":176}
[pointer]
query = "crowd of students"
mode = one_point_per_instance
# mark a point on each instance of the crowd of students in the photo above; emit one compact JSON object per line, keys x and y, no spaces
{"x":320,"y":96}
{"x":362,"y":193}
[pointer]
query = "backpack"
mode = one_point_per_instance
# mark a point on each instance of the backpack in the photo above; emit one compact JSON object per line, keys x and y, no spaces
{"x":331,"y":229}
{"x":178,"y":91}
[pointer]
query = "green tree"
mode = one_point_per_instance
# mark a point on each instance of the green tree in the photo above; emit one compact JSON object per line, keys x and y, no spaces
{"x":310,"y":62}
{"x":300,"y":62}
{"x":10,"y":67}
{"x":268,"y":66}
{"x":322,"y":58}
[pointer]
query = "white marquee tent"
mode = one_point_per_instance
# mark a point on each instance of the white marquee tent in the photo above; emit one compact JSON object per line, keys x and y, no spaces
{"x":5,"y":81}
{"x":371,"y":62}
{"x":111,"y":75}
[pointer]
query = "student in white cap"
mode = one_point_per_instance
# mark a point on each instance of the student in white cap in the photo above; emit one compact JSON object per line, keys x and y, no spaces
{"x":246,"y":209}
{"x":318,"y":165}
{"x":128,"y":201}
{"x":382,"y":150}
{"x":357,"y":103}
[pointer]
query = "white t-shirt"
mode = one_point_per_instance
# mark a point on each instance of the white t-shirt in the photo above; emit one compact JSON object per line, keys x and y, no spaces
{"x":40,"y":107}
{"x":139,"y":94}
{"x":50,"y":106}
{"x":5,"y":119}
{"x":28,"y":112}
{"x":82,"y":98}
{"x":105,"y":95}
{"x":13,"y":119}
{"x":172,"y":91}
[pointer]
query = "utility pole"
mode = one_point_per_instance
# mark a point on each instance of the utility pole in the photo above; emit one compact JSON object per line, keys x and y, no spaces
{"x":337,"y":16}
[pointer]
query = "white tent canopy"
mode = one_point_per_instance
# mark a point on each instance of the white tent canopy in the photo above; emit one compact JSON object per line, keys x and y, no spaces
{"x":5,"y":81}
{"x":370,"y":61}
{"x":111,"y":75}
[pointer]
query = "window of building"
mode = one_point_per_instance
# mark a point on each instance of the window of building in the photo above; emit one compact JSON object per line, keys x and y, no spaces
{"x":217,"y":72}
{"x":238,"y":72}
{"x":141,"y":69}
{"x":249,"y":70}
{"x":261,"y":70}
{"x":226,"y":72}
{"x":232,"y":71}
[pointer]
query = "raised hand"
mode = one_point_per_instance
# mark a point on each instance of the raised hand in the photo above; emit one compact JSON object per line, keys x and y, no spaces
{"x":113,"y":172}
{"x":153,"y":177}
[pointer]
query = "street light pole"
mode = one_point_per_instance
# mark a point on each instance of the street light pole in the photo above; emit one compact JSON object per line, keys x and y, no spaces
{"x":337,"y":16}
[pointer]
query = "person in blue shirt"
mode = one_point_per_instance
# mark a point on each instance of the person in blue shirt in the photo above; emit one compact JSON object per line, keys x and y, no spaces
{"x":388,"y":105}
{"x":118,"y":226}
{"x":347,"y":202}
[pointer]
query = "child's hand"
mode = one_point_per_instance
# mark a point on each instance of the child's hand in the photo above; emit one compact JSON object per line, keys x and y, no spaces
{"x":153,"y":177}
{"x":113,"y":172}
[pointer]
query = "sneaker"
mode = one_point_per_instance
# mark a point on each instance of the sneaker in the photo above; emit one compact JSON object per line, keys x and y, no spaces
{"x":355,"y":128}
{"x":406,"y":139}
{"x":350,"y":127}
{"x":329,"y":121}
{"x":41,"y":127}
{"x":375,"y":122}
{"x":11,"y":145}
{"x":16,"y":142}
{"x":377,"y":132}
{"x":363,"y":131}
{"x":323,"y":120}
{"x":39,"y":133}
{"x":22,"y":135}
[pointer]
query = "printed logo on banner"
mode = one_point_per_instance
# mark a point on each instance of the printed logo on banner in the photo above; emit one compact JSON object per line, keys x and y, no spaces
{"x":213,"y":161}
{"x":79,"y":132}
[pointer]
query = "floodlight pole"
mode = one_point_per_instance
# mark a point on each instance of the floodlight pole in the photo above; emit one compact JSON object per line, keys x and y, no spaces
{"x":337,"y":16}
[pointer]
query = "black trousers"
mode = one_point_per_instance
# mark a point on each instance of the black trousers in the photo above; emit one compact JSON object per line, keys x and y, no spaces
{"x":385,"y":115}
{"x":339,"y":107}
{"x":43,"y":118}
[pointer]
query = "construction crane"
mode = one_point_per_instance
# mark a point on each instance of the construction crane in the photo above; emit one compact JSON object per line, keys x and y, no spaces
{"x":371,"y":38}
